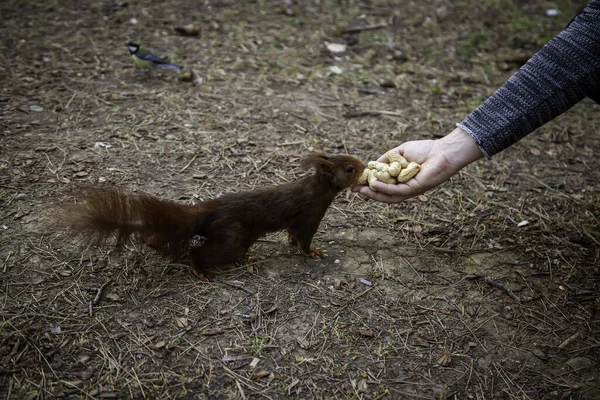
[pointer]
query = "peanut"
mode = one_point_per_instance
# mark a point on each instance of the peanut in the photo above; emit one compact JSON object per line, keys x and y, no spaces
{"x":399,"y":170}
{"x":372,"y":178}
{"x":409,"y":172}
{"x":378,"y":166}
{"x":384,"y":177}
{"x":364,"y":177}
{"x":392,"y":156}
{"x":394,"y":169}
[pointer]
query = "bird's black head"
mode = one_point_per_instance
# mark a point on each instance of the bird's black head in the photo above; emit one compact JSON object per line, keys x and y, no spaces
{"x":133,"y":47}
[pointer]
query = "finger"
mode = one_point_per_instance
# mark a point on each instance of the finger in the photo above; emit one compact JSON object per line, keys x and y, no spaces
{"x":383,"y":159}
{"x":400,"y":189}
{"x":381,"y":197}
{"x":399,"y":150}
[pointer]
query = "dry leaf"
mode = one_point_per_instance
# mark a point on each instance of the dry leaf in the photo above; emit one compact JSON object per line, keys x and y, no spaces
{"x":188,"y":30}
{"x":83,"y":358}
{"x":260,"y":374}
{"x":444,"y":359}
{"x":305,"y":344}
{"x":113,"y":297}
{"x":86,"y":373}
{"x":361,"y":386}
{"x":181,"y":322}
{"x":118,"y":335}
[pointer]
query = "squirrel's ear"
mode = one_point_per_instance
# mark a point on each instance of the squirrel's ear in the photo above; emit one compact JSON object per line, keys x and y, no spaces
{"x":318,"y":160}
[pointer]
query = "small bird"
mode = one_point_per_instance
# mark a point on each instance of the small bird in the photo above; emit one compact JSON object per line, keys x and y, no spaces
{"x":145,"y":59}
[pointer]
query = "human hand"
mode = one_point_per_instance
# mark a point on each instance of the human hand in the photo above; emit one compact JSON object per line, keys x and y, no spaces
{"x":439,"y":159}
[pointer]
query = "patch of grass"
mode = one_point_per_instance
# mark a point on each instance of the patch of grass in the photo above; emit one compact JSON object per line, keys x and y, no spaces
{"x":258,"y":344}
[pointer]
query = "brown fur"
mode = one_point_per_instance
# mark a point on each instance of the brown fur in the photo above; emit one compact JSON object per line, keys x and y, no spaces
{"x":229,"y":225}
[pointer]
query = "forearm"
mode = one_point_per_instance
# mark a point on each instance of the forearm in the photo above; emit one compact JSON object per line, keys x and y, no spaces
{"x":560,"y":75}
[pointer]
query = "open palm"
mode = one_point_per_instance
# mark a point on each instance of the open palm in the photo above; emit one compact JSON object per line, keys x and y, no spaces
{"x":439,"y":159}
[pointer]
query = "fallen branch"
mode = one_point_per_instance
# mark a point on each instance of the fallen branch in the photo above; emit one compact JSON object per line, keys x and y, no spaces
{"x":361,"y":28}
{"x":499,"y":285}
{"x":97,"y":297}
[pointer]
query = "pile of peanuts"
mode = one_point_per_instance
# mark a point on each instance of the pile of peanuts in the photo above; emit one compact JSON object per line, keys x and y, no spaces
{"x":399,"y":170}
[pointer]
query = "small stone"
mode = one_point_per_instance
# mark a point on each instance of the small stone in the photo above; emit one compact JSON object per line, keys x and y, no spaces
{"x":336,"y":48}
{"x":35,"y":108}
{"x":399,"y":56}
{"x":336,"y":70}
{"x":365,"y":282}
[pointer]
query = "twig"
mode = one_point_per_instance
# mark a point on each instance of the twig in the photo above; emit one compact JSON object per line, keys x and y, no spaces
{"x":237,"y":383}
{"x":5,"y":263}
{"x":70,"y":100}
{"x":370,"y":113}
{"x":97,"y":297}
{"x":499,"y":285}
{"x":361,"y":28}
{"x":243,"y":289}
{"x":568,"y":340}
{"x":188,"y":164}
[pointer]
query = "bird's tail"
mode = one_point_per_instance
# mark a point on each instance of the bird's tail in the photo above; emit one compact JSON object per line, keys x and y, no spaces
{"x":171,"y":66}
{"x":102,"y":213}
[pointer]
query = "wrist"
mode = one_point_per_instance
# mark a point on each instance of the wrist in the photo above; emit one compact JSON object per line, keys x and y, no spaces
{"x":459,"y":148}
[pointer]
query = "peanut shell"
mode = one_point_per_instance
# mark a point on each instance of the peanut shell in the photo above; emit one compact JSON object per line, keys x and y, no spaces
{"x":394,"y":169}
{"x":392,"y":156}
{"x":409,"y":172}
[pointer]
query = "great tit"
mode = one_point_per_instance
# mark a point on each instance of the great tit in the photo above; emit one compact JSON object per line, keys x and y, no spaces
{"x":145,"y":59}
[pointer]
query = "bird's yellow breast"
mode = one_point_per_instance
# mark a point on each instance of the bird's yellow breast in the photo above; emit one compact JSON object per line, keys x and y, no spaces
{"x":142,"y":63}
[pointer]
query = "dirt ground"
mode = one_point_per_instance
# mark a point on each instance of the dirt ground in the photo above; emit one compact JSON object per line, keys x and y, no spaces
{"x":407,"y":304}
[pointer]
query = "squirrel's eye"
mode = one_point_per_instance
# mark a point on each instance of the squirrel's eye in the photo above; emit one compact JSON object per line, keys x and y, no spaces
{"x":350,"y":169}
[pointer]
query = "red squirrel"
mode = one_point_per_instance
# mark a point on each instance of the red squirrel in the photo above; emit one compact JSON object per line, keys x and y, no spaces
{"x":218,"y":231}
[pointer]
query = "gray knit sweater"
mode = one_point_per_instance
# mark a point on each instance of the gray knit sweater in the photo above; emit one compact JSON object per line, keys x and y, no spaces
{"x":561,"y":74}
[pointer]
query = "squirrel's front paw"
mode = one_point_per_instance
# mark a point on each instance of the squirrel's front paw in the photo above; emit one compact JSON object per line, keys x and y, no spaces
{"x":316,"y":254}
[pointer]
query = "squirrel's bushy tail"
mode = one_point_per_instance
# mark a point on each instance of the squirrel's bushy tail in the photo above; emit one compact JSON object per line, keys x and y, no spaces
{"x":102,"y":213}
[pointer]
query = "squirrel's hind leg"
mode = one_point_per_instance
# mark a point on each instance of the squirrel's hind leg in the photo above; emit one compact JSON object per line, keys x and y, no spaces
{"x":216,"y":251}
